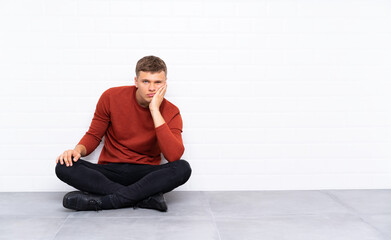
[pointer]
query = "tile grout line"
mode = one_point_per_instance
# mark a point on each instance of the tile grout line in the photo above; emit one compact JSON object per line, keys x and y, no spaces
{"x":339,"y":201}
{"x":213,"y":216}
{"x":375,"y":228}
{"x":61,"y":225}
{"x":354,"y":212}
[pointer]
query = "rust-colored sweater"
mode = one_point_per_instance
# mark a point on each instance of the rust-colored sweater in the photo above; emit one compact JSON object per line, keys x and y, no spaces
{"x":130,"y":134}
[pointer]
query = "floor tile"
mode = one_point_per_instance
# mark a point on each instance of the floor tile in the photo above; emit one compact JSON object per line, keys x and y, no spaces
{"x":336,"y":227}
{"x":339,"y":214}
{"x":32,"y":204}
{"x":29,"y":228}
{"x":381,"y":222}
{"x":365,"y":201}
{"x":261,"y":203}
{"x":180,"y":203}
{"x":162,"y":228}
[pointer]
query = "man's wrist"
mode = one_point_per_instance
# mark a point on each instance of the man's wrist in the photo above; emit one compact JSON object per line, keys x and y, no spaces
{"x":80,"y":149}
{"x":157,"y":117}
{"x":77,"y":150}
{"x":154,"y":109}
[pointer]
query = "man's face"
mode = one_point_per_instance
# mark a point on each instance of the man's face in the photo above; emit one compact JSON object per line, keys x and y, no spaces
{"x":147,"y":84}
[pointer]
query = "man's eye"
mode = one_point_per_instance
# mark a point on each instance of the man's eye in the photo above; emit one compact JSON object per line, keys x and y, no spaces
{"x":145,"y":81}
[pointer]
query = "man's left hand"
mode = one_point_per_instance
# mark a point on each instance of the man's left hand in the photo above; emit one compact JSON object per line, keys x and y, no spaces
{"x":158,"y":98}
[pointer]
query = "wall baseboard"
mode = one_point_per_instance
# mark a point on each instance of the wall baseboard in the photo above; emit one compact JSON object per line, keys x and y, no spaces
{"x":224,"y":182}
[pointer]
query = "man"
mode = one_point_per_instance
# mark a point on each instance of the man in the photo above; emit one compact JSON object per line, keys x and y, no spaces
{"x":138,"y":125}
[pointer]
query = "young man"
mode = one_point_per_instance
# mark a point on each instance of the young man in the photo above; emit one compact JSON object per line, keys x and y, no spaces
{"x":138,"y":125}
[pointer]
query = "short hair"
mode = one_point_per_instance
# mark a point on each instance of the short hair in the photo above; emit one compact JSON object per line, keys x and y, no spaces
{"x":150,"y":64}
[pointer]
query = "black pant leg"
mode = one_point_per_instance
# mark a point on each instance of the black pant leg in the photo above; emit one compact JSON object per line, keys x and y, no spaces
{"x":161,"y":178}
{"x":88,"y":177}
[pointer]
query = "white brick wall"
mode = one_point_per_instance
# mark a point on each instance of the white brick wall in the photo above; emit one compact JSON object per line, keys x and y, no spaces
{"x":284,"y":94}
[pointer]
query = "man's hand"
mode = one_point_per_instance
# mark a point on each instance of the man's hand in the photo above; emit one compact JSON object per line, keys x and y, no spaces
{"x":154,"y":106}
{"x":158,"y":98}
{"x":67,"y":157}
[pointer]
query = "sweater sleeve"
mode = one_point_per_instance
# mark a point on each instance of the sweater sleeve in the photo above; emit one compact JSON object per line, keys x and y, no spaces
{"x":169,"y":136}
{"x":99,"y":124}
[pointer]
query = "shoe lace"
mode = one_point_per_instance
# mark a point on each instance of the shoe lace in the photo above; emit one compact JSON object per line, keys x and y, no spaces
{"x":95,"y":204}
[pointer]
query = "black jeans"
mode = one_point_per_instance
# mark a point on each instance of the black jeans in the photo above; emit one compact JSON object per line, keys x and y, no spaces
{"x":124,"y":183}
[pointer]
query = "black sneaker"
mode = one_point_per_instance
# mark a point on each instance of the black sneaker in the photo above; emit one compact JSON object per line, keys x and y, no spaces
{"x":82,"y":201}
{"x":156,"y":202}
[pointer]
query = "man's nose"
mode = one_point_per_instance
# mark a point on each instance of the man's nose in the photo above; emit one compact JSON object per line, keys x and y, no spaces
{"x":152,"y":87}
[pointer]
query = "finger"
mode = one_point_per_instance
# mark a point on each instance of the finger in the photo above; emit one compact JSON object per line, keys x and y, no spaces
{"x":61,"y":160}
{"x":158,"y":91}
{"x":161,"y":89}
{"x":163,"y":92}
{"x":72,"y":157}
{"x":165,"y":89}
{"x":69,"y":155}
{"x":76,"y":157}
{"x":66,"y":158}
{"x":58,"y":159}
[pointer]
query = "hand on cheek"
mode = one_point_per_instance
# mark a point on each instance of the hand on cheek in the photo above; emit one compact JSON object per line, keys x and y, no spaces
{"x":158,"y":98}
{"x":163,"y":89}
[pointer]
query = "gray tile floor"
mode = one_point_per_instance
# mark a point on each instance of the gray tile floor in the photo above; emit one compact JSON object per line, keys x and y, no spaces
{"x":331,"y":215}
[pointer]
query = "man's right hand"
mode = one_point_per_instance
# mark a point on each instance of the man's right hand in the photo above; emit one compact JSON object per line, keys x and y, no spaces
{"x":67,"y":157}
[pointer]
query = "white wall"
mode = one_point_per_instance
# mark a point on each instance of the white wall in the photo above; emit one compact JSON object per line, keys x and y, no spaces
{"x":290,"y":94}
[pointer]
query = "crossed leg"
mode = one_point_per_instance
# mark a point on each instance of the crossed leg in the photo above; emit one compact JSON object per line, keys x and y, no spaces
{"x":124,"y":184}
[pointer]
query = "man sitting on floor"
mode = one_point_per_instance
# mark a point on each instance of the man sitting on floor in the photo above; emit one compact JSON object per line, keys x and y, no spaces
{"x":138,"y":124}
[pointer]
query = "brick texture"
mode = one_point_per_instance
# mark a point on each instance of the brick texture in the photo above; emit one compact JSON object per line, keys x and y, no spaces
{"x":286,"y":94}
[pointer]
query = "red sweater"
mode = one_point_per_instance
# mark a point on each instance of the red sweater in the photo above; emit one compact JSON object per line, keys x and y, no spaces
{"x":130,"y":134}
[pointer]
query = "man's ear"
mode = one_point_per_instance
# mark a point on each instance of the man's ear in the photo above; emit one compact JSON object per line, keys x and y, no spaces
{"x":135,"y":81}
